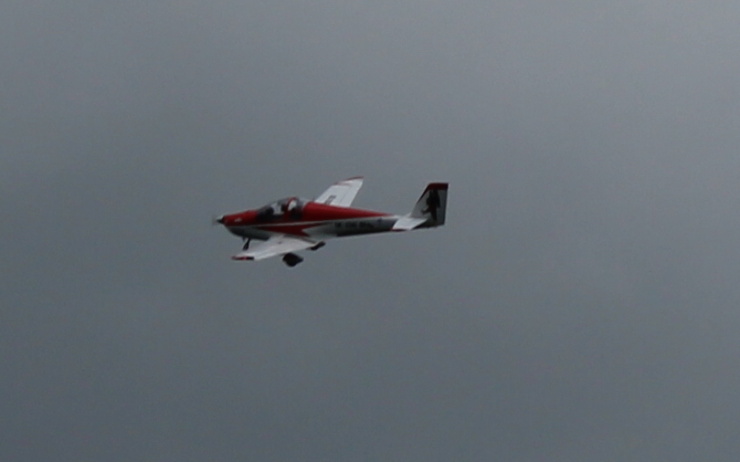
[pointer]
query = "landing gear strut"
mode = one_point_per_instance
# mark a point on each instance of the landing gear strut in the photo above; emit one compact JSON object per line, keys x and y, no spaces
{"x":318,"y":245}
{"x":246,"y":244}
{"x":291,"y":259}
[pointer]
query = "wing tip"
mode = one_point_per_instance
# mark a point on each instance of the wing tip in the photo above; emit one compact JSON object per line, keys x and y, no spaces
{"x":242,"y":258}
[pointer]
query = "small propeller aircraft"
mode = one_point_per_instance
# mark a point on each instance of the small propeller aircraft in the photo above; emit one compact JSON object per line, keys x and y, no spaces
{"x":294,"y":224}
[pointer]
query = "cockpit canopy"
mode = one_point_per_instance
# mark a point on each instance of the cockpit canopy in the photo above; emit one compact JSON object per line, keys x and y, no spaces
{"x":291,"y":207}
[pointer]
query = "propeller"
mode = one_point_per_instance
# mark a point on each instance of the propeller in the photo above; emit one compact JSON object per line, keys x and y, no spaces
{"x":216,"y":220}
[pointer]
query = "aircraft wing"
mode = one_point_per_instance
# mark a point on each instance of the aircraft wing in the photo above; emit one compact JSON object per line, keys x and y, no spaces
{"x":341,"y":194}
{"x":273,"y":247}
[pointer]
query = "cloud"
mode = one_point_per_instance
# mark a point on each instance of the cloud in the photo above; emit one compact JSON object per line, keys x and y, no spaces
{"x":578,"y":304}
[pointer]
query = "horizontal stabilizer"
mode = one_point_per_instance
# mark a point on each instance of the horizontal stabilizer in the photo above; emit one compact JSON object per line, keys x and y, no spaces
{"x":408,"y":223}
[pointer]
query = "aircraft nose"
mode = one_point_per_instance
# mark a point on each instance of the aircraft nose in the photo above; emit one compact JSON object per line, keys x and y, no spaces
{"x":220,"y":219}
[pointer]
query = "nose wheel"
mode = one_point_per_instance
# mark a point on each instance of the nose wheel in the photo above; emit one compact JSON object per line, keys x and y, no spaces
{"x":291,"y":259}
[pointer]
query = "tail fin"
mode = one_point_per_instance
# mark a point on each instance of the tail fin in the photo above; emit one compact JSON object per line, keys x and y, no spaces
{"x":432,"y":204}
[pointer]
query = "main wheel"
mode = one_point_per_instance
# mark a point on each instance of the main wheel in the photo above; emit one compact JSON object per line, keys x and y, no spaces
{"x":291,"y":259}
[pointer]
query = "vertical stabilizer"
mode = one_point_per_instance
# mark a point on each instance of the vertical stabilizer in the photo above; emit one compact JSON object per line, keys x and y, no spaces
{"x":432,"y":204}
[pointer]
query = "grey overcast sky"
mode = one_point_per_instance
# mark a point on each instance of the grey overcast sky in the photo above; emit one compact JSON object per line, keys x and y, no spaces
{"x":582,"y":303}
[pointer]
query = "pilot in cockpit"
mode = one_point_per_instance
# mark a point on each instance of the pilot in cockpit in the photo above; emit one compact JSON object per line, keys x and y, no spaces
{"x":292,"y":207}
{"x":268,"y":212}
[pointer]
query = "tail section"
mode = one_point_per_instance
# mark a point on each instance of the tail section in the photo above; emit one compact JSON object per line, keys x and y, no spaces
{"x":432,"y":205}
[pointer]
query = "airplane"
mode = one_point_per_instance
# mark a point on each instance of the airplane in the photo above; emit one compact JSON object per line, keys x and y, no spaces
{"x":293,"y":224}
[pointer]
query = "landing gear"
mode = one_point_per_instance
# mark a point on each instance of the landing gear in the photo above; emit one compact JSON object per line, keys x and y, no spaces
{"x":318,"y":245}
{"x":291,"y":259}
{"x":246,"y":244}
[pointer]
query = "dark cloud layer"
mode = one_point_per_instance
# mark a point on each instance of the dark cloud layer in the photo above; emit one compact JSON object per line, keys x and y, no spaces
{"x":580,"y":304}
